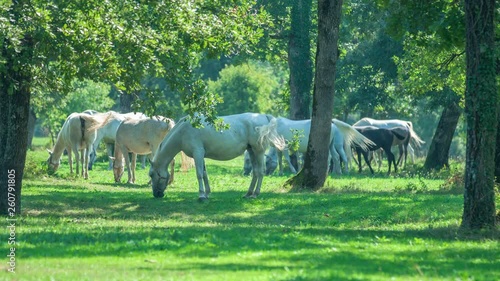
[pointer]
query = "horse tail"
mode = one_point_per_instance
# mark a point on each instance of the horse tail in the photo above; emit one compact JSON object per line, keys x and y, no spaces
{"x":97,"y":121}
{"x":398,"y":135}
{"x":415,"y":139}
{"x":269,"y":135}
{"x":82,"y":128}
{"x":351,"y":136}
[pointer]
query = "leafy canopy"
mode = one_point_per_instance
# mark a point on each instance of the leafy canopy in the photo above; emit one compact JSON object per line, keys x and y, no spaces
{"x":121,"y":42}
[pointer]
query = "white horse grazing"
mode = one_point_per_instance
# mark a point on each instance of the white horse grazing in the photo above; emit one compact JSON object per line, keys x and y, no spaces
{"x":78,"y":133}
{"x":138,"y":136}
{"x":342,"y":135}
{"x":250,"y":131}
{"x":404,"y":146}
{"x":107,"y":134}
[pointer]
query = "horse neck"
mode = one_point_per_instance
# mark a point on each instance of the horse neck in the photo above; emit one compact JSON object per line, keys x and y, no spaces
{"x":169,"y":148}
{"x":118,"y":155}
{"x":59,"y":147}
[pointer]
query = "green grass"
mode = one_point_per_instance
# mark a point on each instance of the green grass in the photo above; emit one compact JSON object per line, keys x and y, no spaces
{"x":359,"y":227}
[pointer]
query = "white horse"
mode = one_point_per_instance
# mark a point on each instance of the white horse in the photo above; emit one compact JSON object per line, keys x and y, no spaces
{"x":78,"y":133}
{"x":107,"y":134}
{"x":343,"y":135}
{"x":138,"y":136}
{"x":404,"y":146}
{"x":248,"y":131}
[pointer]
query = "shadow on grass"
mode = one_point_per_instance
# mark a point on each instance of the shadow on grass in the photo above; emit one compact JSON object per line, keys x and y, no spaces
{"x":343,"y":230}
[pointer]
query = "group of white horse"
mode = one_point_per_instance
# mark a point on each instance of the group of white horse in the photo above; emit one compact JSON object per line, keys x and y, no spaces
{"x":133,"y":133}
{"x":162,"y":139}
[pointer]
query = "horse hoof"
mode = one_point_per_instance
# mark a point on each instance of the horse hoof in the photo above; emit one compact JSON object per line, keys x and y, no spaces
{"x":203,"y":199}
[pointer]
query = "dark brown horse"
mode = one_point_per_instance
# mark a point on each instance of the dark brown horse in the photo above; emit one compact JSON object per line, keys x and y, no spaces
{"x":382,"y":138}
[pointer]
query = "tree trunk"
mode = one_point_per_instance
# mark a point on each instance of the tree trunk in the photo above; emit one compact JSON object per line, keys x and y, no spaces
{"x":14,"y":113}
{"x":481,"y":105}
{"x":497,"y":153}
{"x":126,"y":100}
{"x":315,"y":170}
{"x":299,"y":60}
{"x":31,"y":126}
{"x":439,"y":150}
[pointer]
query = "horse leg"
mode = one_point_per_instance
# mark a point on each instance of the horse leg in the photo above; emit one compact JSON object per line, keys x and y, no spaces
{"x":258,"y":161}
{"x":109,"y":150}
{"x":401,"y":151}
{"x":205,"y":180}
{"x":339,"y":147}
{"x":70,"y":160}
{"x":77,"y":157}
{"x":132,"y":167}
{"x":365,"y":155}
{"x":336,"y":159}
{"x":380,"y":155}
{"x":358,"y":151}
{"x":86,"y":157}
{"x":199,"y":163}
{"x":391,"y":159}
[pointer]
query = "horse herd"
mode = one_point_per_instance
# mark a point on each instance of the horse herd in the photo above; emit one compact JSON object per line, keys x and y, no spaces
{"x":250,"y":133}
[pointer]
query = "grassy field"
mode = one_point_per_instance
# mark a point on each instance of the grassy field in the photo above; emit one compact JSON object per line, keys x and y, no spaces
{"x":359,"y":227}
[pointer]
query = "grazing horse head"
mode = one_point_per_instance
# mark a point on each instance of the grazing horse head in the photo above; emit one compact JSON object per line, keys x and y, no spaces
{"x":118,"y":169}
{"x":159,"y":182}
{"x":53,"y":165}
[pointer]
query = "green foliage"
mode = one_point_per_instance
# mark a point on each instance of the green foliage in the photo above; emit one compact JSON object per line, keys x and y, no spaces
{"x":249,"y":87}
{"x":121,"y":42}
{"x":75,"y":229}
{"x":366,"y":73}
{"x":294,"y":143}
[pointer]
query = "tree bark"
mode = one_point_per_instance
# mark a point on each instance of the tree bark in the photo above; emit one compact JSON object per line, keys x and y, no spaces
{"x":315,"y":170}
{"x":481,"y":105}
{"x":497,"y":153}
{"x":439,"y":151}
{"x":299,"y":60}
{"x":126,"y":101}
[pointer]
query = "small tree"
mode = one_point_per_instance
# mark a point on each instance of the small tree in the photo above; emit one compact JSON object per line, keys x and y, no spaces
{"x":249,"y":87}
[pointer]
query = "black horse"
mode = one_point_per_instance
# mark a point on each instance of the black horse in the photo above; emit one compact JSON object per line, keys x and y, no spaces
{"x":382,"y":138}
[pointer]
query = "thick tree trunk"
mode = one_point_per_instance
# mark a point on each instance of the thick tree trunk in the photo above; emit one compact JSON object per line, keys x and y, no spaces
{"x":481,"y":105}
{"x":439,"y":150}
{"x":299,"y":60}
{"x":314,"y":173}
{"x":14,"y":113}
{"x":15,"y":92}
